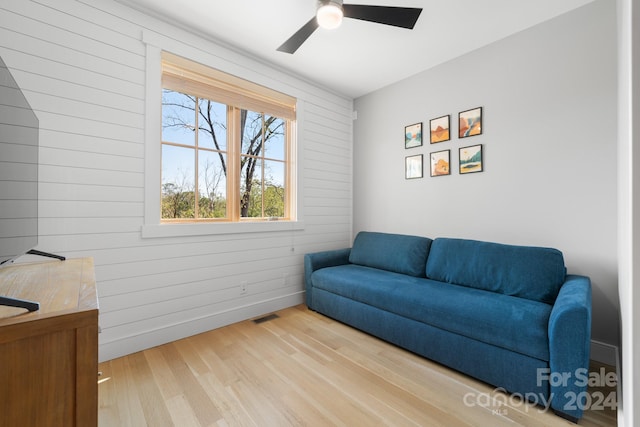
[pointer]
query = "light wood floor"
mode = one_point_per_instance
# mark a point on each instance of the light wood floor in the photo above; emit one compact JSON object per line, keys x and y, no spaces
{"x":302,"y":369}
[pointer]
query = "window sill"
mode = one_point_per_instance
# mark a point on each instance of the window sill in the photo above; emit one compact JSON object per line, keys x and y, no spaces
{"x":203,"y":229}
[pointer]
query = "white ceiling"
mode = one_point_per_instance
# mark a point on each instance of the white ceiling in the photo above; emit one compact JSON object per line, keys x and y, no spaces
{"x":359,"y":57}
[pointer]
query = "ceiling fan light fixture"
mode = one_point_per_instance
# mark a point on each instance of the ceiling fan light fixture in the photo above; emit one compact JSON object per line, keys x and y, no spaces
{"x":329,"y":15}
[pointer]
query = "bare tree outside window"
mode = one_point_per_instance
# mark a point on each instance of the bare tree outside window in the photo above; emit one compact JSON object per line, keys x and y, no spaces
{"x":194,"y":131}
{"x":259,"y":130}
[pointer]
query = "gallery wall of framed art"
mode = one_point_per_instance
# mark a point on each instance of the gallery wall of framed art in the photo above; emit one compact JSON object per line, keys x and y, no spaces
{"x":470,"y":157}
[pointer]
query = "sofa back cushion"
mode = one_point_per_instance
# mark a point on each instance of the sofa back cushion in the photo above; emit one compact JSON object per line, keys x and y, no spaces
{"x":533,"y":273}
{"x":392,"y":252}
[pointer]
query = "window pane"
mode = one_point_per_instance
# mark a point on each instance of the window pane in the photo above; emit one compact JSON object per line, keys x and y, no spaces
{"x":274,"y":189}
{"x":178,"y":117}
{"x":212,"y":124}
{"x":178,"y":182}
{"x":251,"y":187}
{"x":274,"y":138}
{"x":251,"y":131}
{"x":212,"y":185}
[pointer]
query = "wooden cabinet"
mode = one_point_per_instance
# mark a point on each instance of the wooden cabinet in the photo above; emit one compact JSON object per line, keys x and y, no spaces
{"x":49,"y":357}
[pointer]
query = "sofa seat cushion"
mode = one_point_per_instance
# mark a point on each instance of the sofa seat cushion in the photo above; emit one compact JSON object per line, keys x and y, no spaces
{"x":392,"y":252}
{"x":534,"y":273}
{"x":508,"y":322}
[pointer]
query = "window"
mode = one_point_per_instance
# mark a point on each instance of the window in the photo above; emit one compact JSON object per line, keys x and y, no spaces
{"x":227,"y":146}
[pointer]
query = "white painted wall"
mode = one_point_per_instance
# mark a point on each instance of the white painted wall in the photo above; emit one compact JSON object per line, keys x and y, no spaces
{"x":549,"y":137}
{"x":629,"y":207}
{"x":82,"y":66}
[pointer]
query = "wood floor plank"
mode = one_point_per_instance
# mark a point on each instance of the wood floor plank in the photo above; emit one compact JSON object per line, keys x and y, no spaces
{"x":167,"y":382}
{"x":109,"y":413}
{"x":205,"y":410}
{"x":124,"y":403}
{"x":148,"y":392}
{"x":230,"y":407}
{"x":182,"y":414}
{"x":304,"y":369}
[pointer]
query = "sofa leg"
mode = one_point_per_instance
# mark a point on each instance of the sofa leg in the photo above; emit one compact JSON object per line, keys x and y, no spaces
{"x":566,"y":417}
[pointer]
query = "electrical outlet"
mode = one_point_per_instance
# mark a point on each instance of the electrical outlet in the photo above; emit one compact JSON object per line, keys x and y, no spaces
{"x":243,"y":287}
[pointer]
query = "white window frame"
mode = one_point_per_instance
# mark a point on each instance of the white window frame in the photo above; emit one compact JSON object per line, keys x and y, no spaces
{"x":152,"y":226}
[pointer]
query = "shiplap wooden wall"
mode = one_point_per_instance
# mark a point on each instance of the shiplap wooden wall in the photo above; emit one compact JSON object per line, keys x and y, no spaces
{"x":81,"y":65}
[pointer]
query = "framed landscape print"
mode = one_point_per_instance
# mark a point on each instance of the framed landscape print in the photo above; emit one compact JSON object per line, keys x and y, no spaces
{"x":413,"y":135}
{"x":470,"y":122}
{"x":413,"y":166}
{"x":471,"y":159}
{"x":440,"y":161}
{"x":439,"y":129}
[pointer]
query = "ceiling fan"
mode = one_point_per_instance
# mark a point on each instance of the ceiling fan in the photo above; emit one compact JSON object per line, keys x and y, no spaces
{"x":330,"y":13}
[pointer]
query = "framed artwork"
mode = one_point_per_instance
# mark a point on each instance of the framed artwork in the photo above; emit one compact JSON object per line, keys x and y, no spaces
{"x":440,"y":161}
{"x":413,"y":166}
{"x":470,"y":159}
{"x":413,"y":135}
{"x":439,"y":129}
{"x":470,"y":122}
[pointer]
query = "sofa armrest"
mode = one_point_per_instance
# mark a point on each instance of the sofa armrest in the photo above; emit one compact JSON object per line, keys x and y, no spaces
{"x":318,"y":260}
{"x":569,"y":346}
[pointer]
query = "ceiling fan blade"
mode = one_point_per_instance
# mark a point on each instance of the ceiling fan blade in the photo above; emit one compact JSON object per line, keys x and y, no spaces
{"x":405,"y":17}
{"x":296,"y":40}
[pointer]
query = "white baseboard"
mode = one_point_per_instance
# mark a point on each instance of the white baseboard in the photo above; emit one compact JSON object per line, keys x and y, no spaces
{"x":604,"y":353}
{"x":134,"y":343}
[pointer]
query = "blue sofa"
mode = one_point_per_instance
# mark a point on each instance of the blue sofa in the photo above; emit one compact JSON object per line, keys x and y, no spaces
{"x":507,"y":315}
